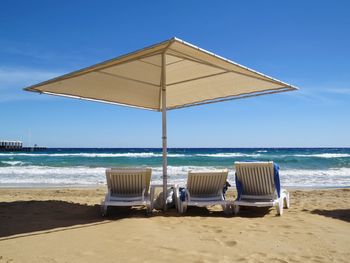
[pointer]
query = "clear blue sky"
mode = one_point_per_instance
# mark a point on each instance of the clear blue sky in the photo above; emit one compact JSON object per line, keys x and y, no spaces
{"x":305,"y":43}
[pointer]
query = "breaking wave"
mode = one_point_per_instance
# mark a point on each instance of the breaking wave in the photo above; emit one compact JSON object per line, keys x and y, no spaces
{"x":227,"y":155}
{"x":83,"y":176}
{"x":324,"y":155}
{"x":93,"y":155}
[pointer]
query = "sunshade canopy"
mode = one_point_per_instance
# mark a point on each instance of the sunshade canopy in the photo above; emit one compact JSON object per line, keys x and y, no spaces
{"x":172,"y":74}
{"x":193,"y":76}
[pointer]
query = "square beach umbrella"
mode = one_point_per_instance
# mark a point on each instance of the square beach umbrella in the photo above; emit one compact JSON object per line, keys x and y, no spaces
{"x":170,"y":75}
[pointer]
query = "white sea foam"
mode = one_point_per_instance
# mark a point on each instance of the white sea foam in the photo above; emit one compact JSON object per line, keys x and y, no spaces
{"x":93,"y":155}
{"x":227,"y":155}
{"x":81,"y":175}
{"x":130,"y":154}
{"x":325,"y":155}
{"x":152,"y":154}
{"x":333,"y":177}
{"x":13,"y":162}
{"x":55,"y":176}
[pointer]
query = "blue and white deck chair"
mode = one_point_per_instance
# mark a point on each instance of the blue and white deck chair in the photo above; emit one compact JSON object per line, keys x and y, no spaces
{"x":204,"y":188}
{"x":258,"y":184}
{"x":127,"y":187}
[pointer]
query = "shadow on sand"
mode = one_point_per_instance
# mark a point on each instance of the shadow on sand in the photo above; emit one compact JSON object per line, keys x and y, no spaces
{"x":193,"y":211}
{"x":24,"y":217}
{"x":341,"y":214}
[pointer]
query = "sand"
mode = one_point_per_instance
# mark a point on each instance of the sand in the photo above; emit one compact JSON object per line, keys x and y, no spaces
{"x":64,"y":225}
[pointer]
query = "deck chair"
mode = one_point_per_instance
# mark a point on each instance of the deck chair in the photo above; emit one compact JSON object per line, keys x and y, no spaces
{"x":204,"y":188}
{"x":258,"y":184}
{"x":127,"y":187}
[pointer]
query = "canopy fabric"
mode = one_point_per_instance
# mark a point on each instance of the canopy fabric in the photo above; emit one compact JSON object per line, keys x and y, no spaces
{"x":193,"y":76}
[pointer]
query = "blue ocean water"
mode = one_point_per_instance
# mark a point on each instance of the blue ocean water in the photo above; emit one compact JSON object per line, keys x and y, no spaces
{"x":300,"y":167}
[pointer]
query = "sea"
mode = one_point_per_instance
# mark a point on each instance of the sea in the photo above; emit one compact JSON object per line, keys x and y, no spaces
{"x":85,"y":167}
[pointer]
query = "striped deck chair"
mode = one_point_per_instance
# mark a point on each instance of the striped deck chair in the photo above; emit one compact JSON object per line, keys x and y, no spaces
{"x":127,"y":187}
{"x":258,"y":184}
{"x":204,"y":188}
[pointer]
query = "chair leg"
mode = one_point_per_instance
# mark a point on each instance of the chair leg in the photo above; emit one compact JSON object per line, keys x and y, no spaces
{"x":224,"y":208}
{"x":287,"y":201}
{"x":227,"y":209}
{"x":279,"y":207}
{"x":178,"y":200}
{"x":179,"y":207}
{"x":104,"y":209}
{"x":149,"y":208}
{"x":235,"y":209}
{"x":183,"y":207}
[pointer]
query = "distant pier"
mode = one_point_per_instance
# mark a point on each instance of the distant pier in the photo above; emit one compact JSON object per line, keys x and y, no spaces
{"x":11,"y":146}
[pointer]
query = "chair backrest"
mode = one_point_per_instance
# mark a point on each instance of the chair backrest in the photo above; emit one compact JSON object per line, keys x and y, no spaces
{"x":206,"y":183}
{"x":256,"y":178}
{"x":128,"y":181}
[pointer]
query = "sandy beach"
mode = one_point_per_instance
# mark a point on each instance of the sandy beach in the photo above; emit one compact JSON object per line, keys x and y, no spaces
{"x":139,"y":97}
{"x":64,"y":225}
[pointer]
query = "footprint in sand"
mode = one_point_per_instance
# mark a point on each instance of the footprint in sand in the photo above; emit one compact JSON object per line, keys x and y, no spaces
{"x":287,"y":226}
{"x":172,"y":249}
{"x":230,"y":243}
{"x":263,"y":257}
{"x":215,"y":229}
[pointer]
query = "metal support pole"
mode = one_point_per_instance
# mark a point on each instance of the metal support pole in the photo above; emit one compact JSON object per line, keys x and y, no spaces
{"x":164,"y":138}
